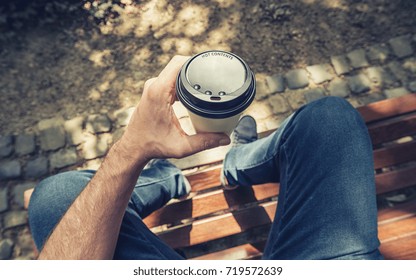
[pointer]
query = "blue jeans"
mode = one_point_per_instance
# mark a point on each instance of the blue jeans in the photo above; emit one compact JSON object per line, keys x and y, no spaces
{"x":322,"y":157}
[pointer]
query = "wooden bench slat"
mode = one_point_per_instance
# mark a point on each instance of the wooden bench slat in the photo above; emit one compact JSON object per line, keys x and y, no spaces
{"x":388,"y":108}
{"x":401,"y":249}
{"x":395,"y":154}
{"x":393,"y":231}
{"x":209,"y":203}
{"x":212,"y":176}
{"x":392,"y":129}
{"x":382,"y":157}
{"x":395,"y":180}
{"x":397,"y":231}
{"x":220,"y":226}
{"x":251,"y":236}
{"x":205,"y":180}
{"x":242,"y":252}
{"x":397,"y":213}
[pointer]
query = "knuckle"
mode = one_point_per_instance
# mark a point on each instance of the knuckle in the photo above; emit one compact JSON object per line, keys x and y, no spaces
{"x":151,"y":87}
{"x":149,"y":83}
{"x":176,"y":152}
{"x":206,"y":144}
{"x":177,"y":57}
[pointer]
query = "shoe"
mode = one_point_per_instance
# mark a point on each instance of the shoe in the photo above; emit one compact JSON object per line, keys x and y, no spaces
{"x":245,"y":132}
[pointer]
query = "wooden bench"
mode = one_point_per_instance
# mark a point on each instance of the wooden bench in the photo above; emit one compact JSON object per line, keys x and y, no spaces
{"x":212,"y":223}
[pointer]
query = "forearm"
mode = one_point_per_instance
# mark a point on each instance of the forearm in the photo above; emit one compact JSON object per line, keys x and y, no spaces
{"x":90,"y":227}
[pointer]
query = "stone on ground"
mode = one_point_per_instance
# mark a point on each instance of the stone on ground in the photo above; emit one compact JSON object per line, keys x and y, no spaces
{"x":18,"y":191}
{"x":338,"y":87}
{"x":412,"y":87}
{"x":25,"y":144}
{"x":296,"y":99}
{"x":6,"y":249}
{"x":279,"y":104}
{"x":73,"y":130}
{"x":357,"y":59}
{"x":401,"y":46}
{"x":63,"y":158}
{"x":320,"y":73}
{"x":123,"y":116}
{"x":6,"y":145}
{"x":10,"y":169}
{"x":314,"y":94}
{"x":51,"y":134}
{"x":276,"y":83}
{"x":359,"y":83}
{"x":378,"y":52}
{"x":297,"y":79}
{"x":95,"y":146}
{"x":340,"y":64}
{"x":37,"y":167}
{"x":15,"y":218}
{"x":98,"y":123}
{"x":4,"y":204}
{"x":396,"y":92}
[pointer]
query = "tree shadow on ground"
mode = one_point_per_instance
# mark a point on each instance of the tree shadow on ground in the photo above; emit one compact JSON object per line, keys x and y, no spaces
{"x":96,"y":56}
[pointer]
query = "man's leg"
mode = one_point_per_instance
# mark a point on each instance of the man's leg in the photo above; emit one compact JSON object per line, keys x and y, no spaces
{"x":156,"y":185}
{"x":323,"y":158}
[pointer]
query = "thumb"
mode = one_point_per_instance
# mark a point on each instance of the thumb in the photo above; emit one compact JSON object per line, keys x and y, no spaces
{"x":204,"y":141}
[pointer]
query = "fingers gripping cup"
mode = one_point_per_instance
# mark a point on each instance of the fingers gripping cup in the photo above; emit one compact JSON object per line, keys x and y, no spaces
{"x":215,"y":87}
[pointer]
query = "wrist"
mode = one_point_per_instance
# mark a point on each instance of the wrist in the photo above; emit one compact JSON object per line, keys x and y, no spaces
{"x":131,"y":152}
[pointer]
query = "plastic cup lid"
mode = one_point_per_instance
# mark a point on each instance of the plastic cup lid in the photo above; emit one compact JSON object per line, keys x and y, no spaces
{"x":216,"y":84}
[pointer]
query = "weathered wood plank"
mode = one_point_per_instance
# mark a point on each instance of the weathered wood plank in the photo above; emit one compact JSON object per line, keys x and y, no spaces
{"x":395,"y":154}
{"x":211,"y":202}
{"x":397,"y":213}
{"x":393,"y":231}
{"x":396,"y":180}
{"x":401,"y":249}
{"x":220,"y":226}
{"x":388,"y":108}
{"x":242,"y":252}
{"x":205,"y":180}
{"x":392,"y":129}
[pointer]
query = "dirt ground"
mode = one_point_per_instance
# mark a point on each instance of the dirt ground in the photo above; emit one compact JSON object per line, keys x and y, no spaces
{"x":74,"y":58}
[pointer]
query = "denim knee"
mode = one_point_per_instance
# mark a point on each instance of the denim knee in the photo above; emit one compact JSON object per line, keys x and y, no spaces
{"x":330,"y":115}
{"x":330,"y":107}
{"x":51,"y":199}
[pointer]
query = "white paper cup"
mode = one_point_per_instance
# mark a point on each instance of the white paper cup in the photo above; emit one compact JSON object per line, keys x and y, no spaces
{"x":215,"y":87}
{"x":202,"y":124}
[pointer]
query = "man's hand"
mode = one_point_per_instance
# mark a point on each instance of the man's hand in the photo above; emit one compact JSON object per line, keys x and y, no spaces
{"x":154,"y":131}
{"x":90,"y":227}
